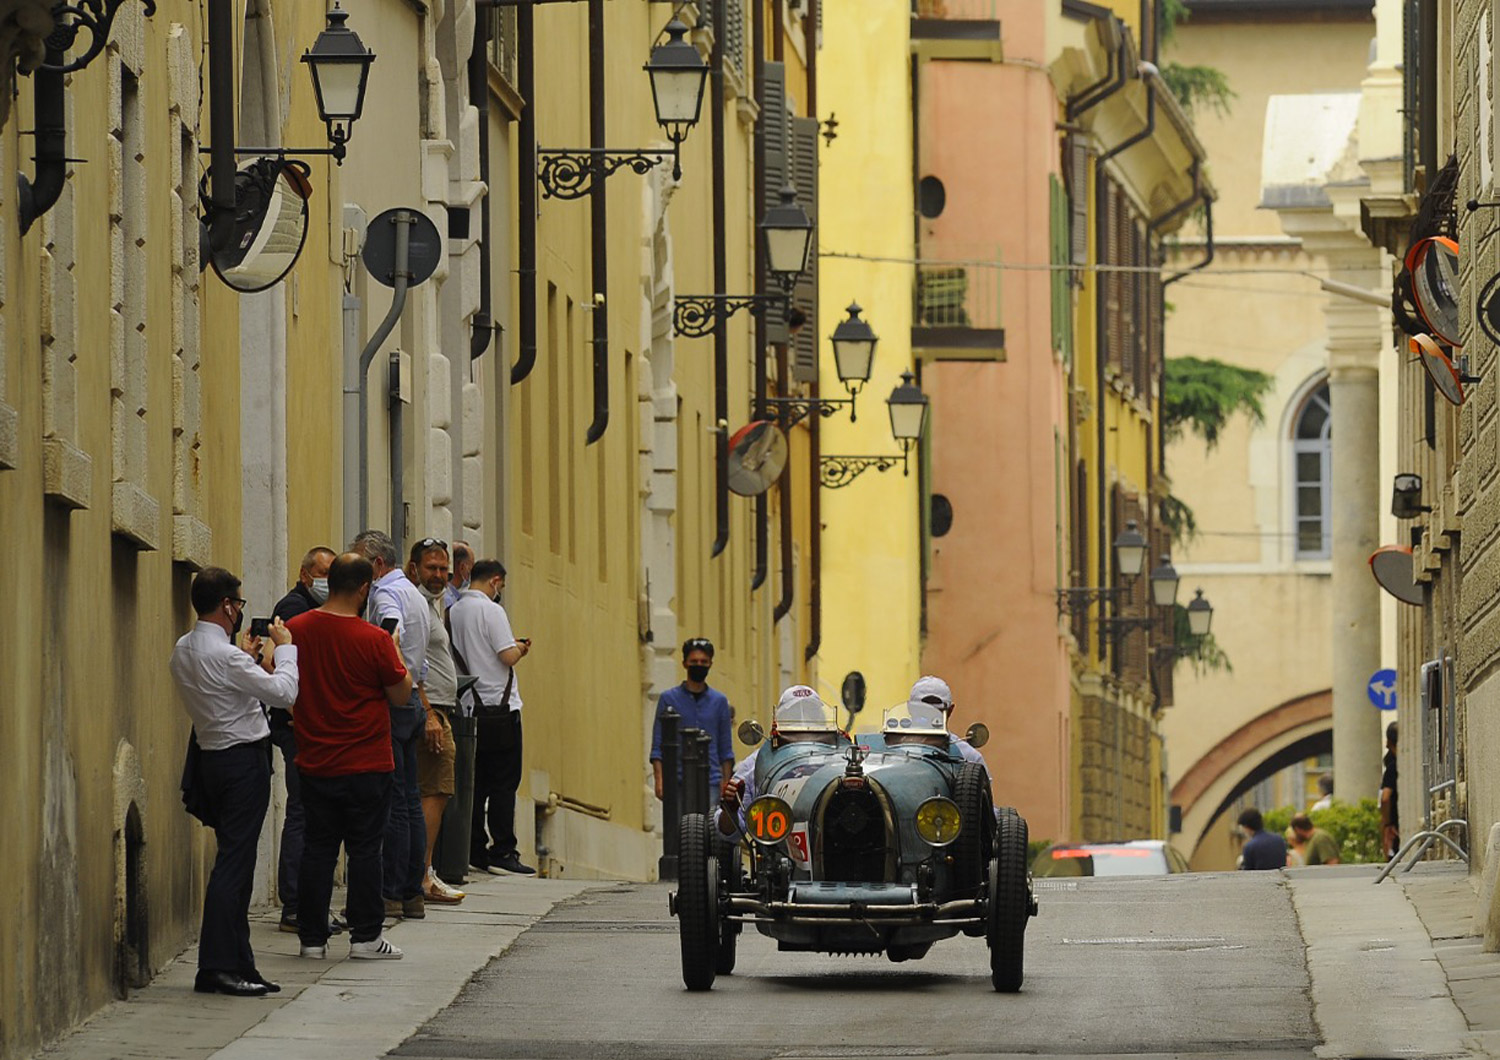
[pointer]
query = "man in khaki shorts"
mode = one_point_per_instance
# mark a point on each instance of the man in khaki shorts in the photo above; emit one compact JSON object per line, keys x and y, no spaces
{"x":428,"y":570}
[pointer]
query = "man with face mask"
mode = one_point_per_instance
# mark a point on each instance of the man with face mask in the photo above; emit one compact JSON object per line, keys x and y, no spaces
{"x":353,"y":673}
{"x":458,"y":575}
{"x":310,"y":591}
{"x":700,"y":707}
{"x":222,"y":687}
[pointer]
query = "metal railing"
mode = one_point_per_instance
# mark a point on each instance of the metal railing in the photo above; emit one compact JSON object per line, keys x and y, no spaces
{"x":969,"y":10}
{"x":958,"y":292}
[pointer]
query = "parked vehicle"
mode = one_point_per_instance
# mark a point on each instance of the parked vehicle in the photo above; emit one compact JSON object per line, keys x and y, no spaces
{"x":1137,"y":857}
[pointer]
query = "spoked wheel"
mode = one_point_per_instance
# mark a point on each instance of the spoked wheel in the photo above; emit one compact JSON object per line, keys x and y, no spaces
{"x":731,"y":879}
{"x":1009,"y":905}
{"x":972,"y":849}
{"x":697,"y":902}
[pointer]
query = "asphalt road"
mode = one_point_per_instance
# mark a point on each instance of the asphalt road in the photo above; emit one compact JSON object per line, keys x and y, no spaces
{"x":1190,"y":966}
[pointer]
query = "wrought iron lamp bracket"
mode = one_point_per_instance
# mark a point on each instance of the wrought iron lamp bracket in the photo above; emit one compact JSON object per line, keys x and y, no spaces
{"x":697,"y":315}
{"x":1076,"y":599}
{"x":570,"y":173}
{"x":836,"y":472}
{"x":94,"y":17}
{"x":790,"y":411}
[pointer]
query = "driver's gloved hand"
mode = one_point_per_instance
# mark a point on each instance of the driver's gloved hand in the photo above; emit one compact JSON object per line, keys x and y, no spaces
{"x":731,"y":794}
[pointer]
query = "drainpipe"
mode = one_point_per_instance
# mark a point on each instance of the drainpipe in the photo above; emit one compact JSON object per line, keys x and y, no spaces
{"x":401,"y":277}
{"x":784,"y":493}
{"x":526,"y":193}
{"x":1149,"y":75}
{"x":1113,"y":80}
{"x":222,"y":168}
{"x":815,"y":438}
{"x":762,"y":332}
{"x":721,"y":270}
{"x":1185,"y":204}
{"x":393,"y":445}
{"x":51,"y":122}
{"x":479,"y":96}
{"x":1208,"y":254}
{"x":598,"y":229}
{"x":354,"y":439}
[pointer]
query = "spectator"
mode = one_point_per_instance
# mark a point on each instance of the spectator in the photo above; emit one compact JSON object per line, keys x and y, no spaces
{"x":485,"y":647}
{"x":458,"y":576}
{"x":1318,"y":847}
{"x":428,"y":570}
{"x":1390,"y":816}
{"x":395,"y":598}
{"x":353,"y":674}
{"x":1263,"y":850}
{"x":309,"y":592}
{"x":222,"y":688}
{"x":1325,"y":793}
{"x":700,"y":707}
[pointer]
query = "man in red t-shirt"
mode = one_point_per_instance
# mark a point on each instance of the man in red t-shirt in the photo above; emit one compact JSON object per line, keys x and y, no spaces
{"x":351,"y":671}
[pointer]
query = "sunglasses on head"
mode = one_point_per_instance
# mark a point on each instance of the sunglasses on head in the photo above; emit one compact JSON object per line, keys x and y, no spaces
{"x":432,"y":542}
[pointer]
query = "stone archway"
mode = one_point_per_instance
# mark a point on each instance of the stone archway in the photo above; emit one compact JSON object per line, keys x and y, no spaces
{"x":1267,"y":743}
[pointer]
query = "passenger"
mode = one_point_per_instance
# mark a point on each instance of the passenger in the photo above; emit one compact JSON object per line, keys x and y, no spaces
{"x":931,"y":692}
{"x":801,"y":716}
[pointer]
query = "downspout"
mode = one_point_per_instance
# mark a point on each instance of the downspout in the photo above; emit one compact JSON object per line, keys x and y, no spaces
{"x":721,"y":270}
{"x":401,"y":275}
{"x":51,"y":122}
{"x":526,"y":194}
{"x":354,"y":453}
{"x":1208,"y":235}
{"x":784,"y":494}
{"x":762,"y":330}
{"x":479,"y":97}
{"x":1185,"y":204}
{"x":598,"y":228}
{"x":815,"y":442}
{"x":1113,"y":80}
{"x":222,"y":168}
{"x":394,"y":446}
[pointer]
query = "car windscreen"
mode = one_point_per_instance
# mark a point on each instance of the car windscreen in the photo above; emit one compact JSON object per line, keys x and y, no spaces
{"x":1100,"y":861}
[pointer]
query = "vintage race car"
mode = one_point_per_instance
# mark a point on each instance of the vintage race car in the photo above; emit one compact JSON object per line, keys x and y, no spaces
{"x":876,"y":844}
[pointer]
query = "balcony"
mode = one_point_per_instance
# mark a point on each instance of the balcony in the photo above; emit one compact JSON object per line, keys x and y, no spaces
{"x":956,"y":313}
{"x":966,"y":30}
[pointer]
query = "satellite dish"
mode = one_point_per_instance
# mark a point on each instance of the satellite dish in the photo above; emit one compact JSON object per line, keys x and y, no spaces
{"x":757,"y":454}
{"x":1440,"y":369}
{"x":1433,"y":266}
{"x":270,"y":223}
{"x":1391,"y":565}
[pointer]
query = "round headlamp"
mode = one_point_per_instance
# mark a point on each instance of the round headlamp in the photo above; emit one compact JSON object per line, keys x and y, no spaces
{"x":767,"y":820}
{"x":938,"y":821}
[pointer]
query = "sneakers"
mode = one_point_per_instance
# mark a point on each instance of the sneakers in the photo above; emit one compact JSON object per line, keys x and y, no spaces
{"x":437,"y":891}
{"x":377,"y":949}
{"x":510,"y":865}
{"x":313,"y":953}
{"x":414,"y":908}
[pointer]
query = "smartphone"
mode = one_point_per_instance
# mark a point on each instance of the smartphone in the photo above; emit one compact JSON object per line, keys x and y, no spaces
{"x":260,"y":627}
{"x":389,"y":624}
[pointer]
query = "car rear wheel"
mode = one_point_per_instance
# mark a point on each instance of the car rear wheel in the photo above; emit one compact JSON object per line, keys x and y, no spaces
{"x":1009,"y":905}
{"x":731,"y":879}
{"x":697,"y":902}
{"x":972,"y":848}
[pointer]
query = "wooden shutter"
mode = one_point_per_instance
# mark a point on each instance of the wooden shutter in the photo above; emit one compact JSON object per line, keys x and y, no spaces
{"x":1062,"y":299}
{"x":773,"y":122}
{"x":804,"y":158}
{"x":1113,"y":338}
{"x":1080,"y":573}
{"x":1078,"y":195}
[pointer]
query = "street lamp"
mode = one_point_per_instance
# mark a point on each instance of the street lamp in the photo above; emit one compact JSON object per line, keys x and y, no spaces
{"x":340,"y":67}
{"x":678,"y":75}
{"x":908,"y":410}
{"x":1130,"y":550}
{"x":1164,"y":582}
{"x":853,"y":350}
{"x":1406,"y":497}
{"x":788,"y":231}
{"x":1200,"y":615}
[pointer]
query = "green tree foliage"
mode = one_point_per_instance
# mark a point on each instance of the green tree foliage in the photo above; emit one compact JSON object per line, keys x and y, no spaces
{"x":1203,"y":652}
{"x":1200,"y":394}
{"x":1356,"y":827}
{"x":1194,"y":86}
{"x":1179,"y":519}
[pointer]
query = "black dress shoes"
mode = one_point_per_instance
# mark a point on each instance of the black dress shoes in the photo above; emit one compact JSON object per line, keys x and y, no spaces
{"x":256,"y":977}
{"x":229,"y":983}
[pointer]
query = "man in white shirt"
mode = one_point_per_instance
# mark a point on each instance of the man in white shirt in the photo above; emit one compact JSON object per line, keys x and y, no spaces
{"x":222,"y":687}
{"x":934,"y":691}
{"x":486,"y":648}
{"x":393,"y":597}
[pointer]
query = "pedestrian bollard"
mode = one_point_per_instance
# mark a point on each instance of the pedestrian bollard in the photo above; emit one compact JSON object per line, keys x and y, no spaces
{"x":695,"y":771}
{"x":671,"y":804}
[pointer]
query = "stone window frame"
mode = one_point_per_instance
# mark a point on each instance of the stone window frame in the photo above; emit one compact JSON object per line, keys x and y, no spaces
{"x":1320,"y":447}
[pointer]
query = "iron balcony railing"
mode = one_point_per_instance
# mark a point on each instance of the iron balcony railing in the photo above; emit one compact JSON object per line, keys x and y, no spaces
{"x":960,"y":10}
{"x":960,"y":290}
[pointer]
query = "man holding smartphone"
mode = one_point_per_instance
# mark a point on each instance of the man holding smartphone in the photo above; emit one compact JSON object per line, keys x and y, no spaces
{"x":487,"y":649}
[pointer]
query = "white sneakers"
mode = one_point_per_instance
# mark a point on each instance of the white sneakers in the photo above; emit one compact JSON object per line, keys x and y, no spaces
{"x":377,"y":949}
{"x":314,"y":953}
{"x":438,"y":891}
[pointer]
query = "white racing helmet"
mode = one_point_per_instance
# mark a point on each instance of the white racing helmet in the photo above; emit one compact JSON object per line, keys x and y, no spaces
{"x":801,"y":710}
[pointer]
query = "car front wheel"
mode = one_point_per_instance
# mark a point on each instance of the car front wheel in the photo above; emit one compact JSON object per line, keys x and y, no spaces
{"x":697,"y":902}
{"x":1009,"y":901}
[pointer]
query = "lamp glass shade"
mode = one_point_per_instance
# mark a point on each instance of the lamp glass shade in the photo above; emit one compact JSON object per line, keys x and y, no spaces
{"x":1200,"y":615}
{"x":853,"y":347}
{"x":908,"y":406}
{"x":678,"y":75}
{"x":340,"y":67}
{"x":1406,"y":496}
{"x":788,"y":233}
{"x":1164,"y":582}
{"x":1130,"y":550}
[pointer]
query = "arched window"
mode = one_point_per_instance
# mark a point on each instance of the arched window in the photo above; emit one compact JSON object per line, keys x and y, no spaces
{"x":1312,"y":453}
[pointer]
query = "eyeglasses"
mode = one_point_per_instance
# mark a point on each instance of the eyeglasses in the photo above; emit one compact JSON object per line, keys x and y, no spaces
{"x":698,"y":644}
{"x":236,"y":600}
{"x":432,"y":542}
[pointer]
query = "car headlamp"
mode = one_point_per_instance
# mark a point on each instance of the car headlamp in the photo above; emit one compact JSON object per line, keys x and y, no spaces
{"x":938,"y":821}
{"x":767,"y":820}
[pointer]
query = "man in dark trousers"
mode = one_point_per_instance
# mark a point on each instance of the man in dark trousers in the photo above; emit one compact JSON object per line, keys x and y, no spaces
{"x":1390,"y":816}
{"x":222,"y":686}
{"x":700,"y":707}
{"x":352,"y":674}
{"x":1263,"y":850}
{"x":310,"y":591}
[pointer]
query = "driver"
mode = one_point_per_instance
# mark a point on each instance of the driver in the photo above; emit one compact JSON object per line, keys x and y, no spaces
{"x":801,"y":716}
{"x":929,"y":706}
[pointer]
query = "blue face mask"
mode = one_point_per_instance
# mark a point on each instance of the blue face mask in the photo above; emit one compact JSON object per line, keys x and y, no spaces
{"x":319,"y":590}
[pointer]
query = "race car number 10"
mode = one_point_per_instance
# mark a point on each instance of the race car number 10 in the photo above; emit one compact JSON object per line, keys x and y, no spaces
{"x":768,"y":819}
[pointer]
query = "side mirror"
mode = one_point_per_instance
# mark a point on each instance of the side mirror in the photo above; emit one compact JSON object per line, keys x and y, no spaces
{"x":751,"y":733}
{"x":978,"y":735}
{"x":853,"y":692}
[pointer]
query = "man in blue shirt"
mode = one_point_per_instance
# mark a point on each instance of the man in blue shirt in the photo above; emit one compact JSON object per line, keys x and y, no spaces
{"x":701,"y":707}
{"x":1262,"y":850}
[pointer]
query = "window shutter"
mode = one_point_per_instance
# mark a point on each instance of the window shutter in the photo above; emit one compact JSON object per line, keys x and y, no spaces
{"x":804,"y":157}
{"x":1080,"y":572}
{"x":1078,"y":194}
{"x":1113,"y":337}
{"x":773,"y":121}
{"x":1062,"y":315}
